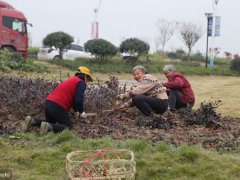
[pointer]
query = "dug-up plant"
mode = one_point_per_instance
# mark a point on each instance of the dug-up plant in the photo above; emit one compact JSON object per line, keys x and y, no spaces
{"x":206,"y":115}
{"x":102,"y":96}
{"x":235,"y":64}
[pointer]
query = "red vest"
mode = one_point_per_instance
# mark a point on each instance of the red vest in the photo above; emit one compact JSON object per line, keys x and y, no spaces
{"x":64,"y":93}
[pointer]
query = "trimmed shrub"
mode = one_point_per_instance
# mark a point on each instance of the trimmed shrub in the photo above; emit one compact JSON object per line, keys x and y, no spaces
{"x":60,"y":40}
{"x":179,"y":54}
{"x":32,"y":52}
{"x":134,"y":45}
{"x":197,"y":57}
{"x":100,"y":48}
{"x":172,"y":55}
{"x":235,"y":64}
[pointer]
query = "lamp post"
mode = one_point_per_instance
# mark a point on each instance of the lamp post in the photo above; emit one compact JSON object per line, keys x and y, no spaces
{"x":208,"y":15}
{"x":212,"y":56}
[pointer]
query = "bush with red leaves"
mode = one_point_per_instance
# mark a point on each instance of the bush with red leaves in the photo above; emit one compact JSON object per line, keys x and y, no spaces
{"x":21,"y":97}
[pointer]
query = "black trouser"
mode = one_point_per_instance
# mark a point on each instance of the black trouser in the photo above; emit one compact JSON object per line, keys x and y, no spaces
{"x":175,"y":100}
{"x":57,"y":116}
{"x":149,"y":105}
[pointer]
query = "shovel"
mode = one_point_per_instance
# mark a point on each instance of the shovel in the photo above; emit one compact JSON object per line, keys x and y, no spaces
{"x":95,"y":114}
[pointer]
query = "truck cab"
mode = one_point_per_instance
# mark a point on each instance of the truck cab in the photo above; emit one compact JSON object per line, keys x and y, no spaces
{"x":13,"y":30}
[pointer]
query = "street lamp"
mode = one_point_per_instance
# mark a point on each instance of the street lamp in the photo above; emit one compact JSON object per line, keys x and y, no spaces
{"x":208,"y":15}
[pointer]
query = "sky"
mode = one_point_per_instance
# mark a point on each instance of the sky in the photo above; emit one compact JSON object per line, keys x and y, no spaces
{"x":122,"y":19}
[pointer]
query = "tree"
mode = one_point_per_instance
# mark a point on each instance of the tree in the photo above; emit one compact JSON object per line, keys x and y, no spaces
{"x":60,"y":40}
{"x":100,"y":48}
{"x":165,"y":30}
{"x":235,"y":64}
{"x":228,"y":55}
{"x":134,"y":45}
{"x":190,"y":34}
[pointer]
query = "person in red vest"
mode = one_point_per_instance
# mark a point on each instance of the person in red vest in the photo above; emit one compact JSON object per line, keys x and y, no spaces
{"x":68,"y":94}
{"x":179,"y":89}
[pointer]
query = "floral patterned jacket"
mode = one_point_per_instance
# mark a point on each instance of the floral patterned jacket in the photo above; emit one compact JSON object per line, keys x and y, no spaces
{"x":148,"y":85}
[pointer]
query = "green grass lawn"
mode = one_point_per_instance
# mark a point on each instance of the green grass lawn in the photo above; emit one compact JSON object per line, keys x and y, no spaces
{"x":44,"y":157}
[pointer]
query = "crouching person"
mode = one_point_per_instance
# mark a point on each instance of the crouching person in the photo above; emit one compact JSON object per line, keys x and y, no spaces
{"x":180,"y":91}
{"x":68,"y":94}
{"x":149,"y":96}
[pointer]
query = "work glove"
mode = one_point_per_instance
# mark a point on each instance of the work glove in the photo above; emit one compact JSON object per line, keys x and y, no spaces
{"x":83,"y":115}
{"x":84,"y":119}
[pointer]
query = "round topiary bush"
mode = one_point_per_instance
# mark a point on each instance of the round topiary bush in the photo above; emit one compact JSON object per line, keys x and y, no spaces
{"x":100,"y":48}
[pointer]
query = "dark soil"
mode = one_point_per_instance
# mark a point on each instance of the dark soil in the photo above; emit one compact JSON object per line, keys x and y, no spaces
{"x":21,"y":97}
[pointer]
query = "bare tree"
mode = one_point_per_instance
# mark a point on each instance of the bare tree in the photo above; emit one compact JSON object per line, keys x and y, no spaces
{"x":165,"y":29}
{"x":190,"y":34}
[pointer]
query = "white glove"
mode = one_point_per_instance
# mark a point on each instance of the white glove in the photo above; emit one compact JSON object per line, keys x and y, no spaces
{"x":83,"y":115}
{"x":76,"y":115}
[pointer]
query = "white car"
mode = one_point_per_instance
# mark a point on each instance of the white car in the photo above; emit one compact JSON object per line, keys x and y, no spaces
{"x":128,"y":56}
{"x":72,"y":52}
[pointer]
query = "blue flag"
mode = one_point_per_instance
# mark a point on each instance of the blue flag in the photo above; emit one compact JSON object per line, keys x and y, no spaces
{"x":210,"y":26}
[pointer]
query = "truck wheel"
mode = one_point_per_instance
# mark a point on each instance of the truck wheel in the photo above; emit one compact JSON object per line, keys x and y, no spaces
{"x":12,"y":53}
{"x":9,"y":49}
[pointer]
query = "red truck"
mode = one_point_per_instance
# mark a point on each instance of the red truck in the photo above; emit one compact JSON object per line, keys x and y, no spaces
{"x":13,"y":30}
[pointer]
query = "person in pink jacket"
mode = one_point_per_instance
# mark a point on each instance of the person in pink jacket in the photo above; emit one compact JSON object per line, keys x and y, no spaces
{"x":179,"y":89}
{"x":149,"y":96}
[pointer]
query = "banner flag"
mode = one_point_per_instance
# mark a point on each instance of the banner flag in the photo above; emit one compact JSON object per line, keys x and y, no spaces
{"x":210,"y":26}
{"x":217,"y":25}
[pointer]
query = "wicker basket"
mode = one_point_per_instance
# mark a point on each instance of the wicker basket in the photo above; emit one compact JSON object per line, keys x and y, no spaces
{"x":101,"y":164}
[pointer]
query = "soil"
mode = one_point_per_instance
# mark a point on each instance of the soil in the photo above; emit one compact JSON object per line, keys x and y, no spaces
{"x":21,"y":97}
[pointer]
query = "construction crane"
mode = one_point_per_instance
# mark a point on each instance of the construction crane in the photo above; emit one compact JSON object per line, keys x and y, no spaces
{"x":95,"y":23}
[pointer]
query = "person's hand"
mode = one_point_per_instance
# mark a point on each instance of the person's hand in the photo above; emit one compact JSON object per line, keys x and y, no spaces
{"x":164,"y":83}
{"x":83,"y":115}
{"x":120,"y":97}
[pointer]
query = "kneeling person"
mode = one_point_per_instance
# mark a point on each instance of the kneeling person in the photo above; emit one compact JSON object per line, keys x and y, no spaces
{"x":68,"y":94}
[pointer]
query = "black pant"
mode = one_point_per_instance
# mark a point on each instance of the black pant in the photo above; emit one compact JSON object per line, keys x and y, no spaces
{"x":149,"y":105}
{"x":57,"y":116}
{"x":175,"y":100}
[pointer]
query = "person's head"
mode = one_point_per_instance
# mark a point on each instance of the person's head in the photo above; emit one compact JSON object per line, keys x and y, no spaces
{"x":168,"y":70}
{"x":84,"y":73}
{"x":139,"y":72}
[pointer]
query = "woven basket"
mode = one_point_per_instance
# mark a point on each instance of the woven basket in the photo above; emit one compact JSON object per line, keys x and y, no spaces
{"x":101,"y":164}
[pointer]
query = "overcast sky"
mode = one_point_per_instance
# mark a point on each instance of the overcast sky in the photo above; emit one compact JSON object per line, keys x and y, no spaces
{"x":121,"y":19}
